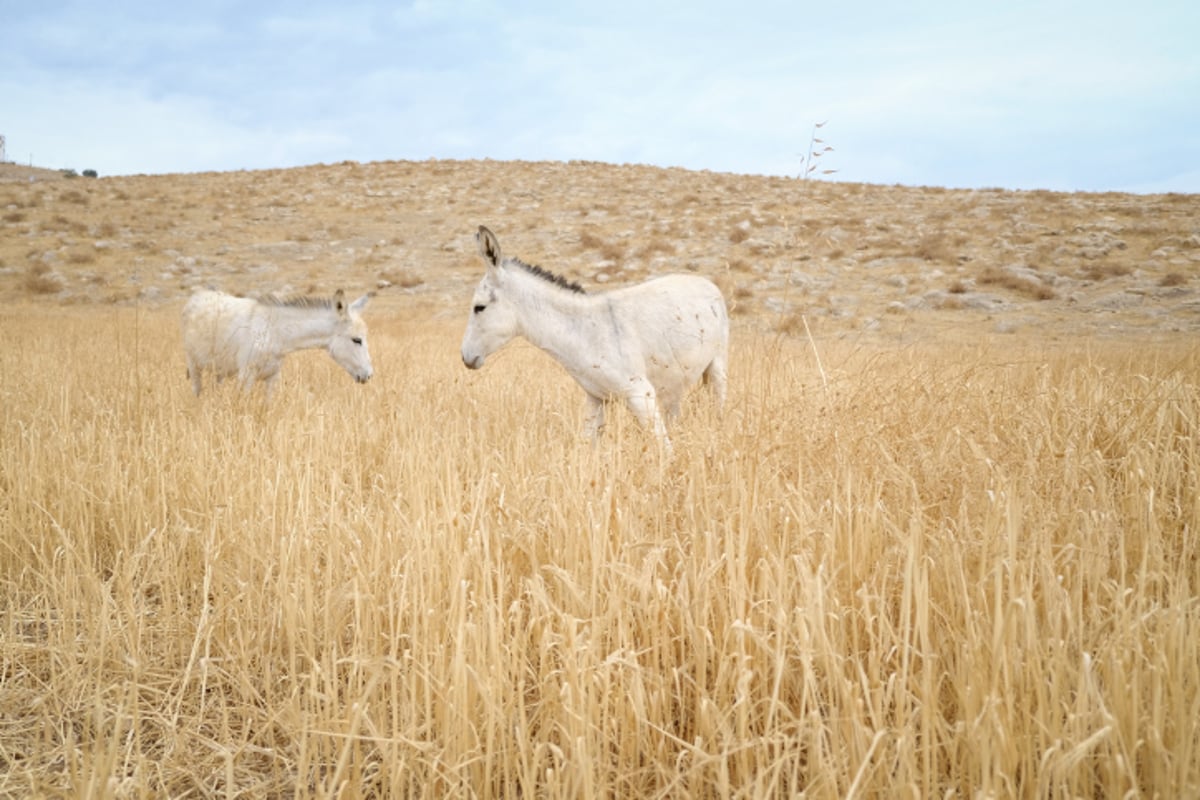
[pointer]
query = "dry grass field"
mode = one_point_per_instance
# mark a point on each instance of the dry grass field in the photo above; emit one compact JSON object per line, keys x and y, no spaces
{"x":943,"y":541}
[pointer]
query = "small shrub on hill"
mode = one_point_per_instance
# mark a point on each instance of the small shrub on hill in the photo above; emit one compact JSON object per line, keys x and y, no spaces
{"x":1100,"y":272}
{"x":40,"y":279}
{"x":1006,"y":279}
{"x":610,"y":251}
{"x":934,"y":246}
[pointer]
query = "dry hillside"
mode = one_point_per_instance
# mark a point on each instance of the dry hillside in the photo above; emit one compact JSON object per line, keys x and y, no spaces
{"x":944,"y":546}
{"x":848,"y":257}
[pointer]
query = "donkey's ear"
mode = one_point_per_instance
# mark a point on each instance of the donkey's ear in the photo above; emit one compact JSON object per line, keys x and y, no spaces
{"x":339,"y":302}
{"x":358,"y":305}
{"x":489,"y":246}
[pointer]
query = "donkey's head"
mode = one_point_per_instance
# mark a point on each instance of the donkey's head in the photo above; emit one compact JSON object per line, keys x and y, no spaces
{"x":348,"y":344}
{"x":493,"y":320}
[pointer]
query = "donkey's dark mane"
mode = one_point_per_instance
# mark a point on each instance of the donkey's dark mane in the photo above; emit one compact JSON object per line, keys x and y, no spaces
{"x":547,"y":275}
{"x":296,"y":302}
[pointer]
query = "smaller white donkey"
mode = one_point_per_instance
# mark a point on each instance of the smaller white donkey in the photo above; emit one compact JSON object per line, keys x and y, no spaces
{"x":644,"y":344}
{"x":241,"y":336}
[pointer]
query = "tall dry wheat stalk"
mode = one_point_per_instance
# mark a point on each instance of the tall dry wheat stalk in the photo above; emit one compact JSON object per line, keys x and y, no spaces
{"x":817,"y":147}
{"x":947,"y":570}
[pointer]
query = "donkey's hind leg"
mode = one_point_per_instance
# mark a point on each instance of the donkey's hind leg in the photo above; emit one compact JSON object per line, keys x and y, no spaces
{"x":716,"y":378}
{"x":197,"y":379}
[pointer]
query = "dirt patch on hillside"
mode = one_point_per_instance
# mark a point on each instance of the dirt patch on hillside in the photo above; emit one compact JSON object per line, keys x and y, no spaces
{"x":18,"y":173}
{"x":791,"y":255}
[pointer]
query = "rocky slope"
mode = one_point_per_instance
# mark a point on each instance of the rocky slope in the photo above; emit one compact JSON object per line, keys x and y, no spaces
{"x":838,"y":257}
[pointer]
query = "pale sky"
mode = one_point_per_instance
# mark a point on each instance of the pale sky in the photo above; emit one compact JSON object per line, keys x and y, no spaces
{"x":1089,"y":96}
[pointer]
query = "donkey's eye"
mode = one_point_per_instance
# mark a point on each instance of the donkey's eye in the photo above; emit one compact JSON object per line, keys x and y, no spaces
{"x":479,"y":309}
{"x":357,"y":340}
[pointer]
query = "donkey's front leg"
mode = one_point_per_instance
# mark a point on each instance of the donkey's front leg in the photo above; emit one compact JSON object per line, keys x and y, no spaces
{"x":643,"y":402}
{"x":271,"y":381}
{"x":593,"y":417}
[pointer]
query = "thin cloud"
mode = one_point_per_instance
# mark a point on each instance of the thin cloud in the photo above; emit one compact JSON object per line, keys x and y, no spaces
{"x":1023,"y":95}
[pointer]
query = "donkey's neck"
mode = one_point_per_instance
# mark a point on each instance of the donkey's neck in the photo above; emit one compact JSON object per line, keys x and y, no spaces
{"x":304,"y":328}
{"x":554,"y":318}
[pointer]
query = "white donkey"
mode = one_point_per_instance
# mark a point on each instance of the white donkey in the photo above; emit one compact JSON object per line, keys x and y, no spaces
{"x":242,"y":336}
{"x":643,"y":344}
